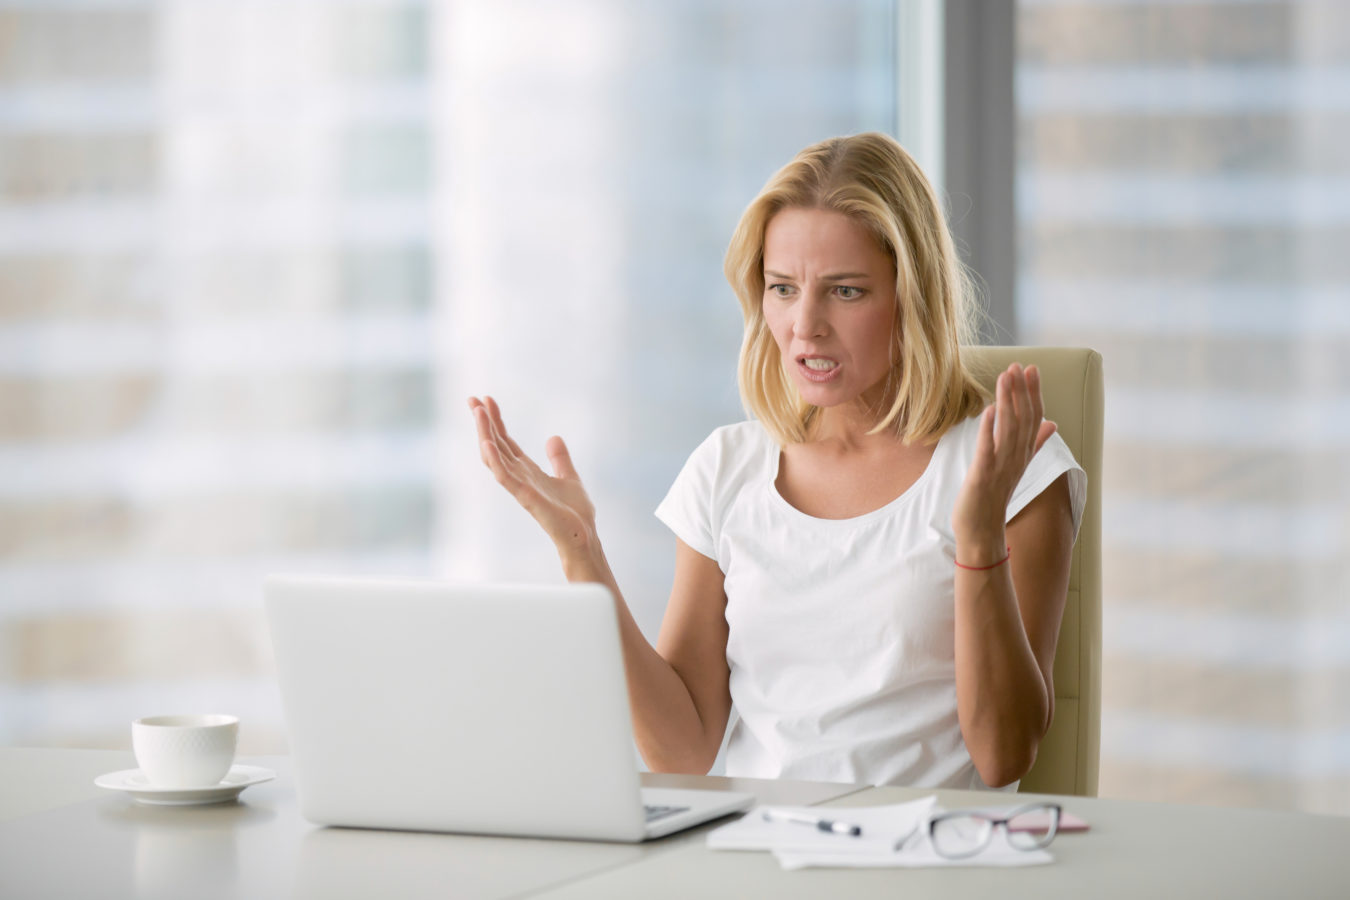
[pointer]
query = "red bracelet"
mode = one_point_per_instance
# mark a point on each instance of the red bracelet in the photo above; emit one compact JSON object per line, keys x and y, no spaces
{"x":986,"y":568}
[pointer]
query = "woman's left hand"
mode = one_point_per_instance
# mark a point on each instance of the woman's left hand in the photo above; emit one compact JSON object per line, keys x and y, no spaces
{"x":1012,"y":430}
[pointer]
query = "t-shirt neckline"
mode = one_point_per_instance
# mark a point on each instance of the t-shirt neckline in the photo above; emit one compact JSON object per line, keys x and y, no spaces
{"x":904,"y":497}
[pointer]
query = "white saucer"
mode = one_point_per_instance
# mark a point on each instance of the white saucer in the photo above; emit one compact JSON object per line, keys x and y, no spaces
{"x":134,"y":782}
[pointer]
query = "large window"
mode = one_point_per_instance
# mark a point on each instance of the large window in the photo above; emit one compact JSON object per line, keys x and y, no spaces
{"x":215,"y":283}
{"x":254,"y":255}
{"x":1184,"y":200}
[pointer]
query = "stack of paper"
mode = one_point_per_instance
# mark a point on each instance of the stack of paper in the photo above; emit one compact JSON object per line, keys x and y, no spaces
{"x":895,"y":835}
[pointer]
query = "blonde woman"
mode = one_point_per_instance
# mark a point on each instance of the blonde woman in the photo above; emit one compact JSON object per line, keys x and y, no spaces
{"x":872,"y":570}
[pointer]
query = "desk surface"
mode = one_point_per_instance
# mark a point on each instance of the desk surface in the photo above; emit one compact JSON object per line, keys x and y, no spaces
{"x":62,"y":837}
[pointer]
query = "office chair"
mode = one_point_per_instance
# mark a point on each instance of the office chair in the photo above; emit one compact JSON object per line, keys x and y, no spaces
{"x":1071,"y":385}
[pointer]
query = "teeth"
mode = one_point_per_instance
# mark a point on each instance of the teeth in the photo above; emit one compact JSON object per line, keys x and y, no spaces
{"x":820,"y":365}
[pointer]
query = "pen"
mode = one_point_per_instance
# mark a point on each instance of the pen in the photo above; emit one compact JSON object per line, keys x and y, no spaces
{"x":774,"y":815}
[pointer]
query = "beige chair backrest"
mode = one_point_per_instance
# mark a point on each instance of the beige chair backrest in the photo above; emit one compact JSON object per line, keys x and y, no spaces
{"x":1071,"y":384}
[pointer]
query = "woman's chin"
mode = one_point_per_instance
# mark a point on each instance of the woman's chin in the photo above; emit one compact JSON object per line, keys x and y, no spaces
{"x":824,"y":397}
{"x":836,"y":396}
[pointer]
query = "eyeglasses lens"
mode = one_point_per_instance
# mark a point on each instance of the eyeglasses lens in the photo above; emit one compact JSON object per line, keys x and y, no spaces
{"x":960,"y":835}
{"x":1034,"y":828}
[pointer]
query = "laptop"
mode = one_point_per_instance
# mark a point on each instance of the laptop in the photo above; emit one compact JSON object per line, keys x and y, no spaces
{"x":482,"y":709}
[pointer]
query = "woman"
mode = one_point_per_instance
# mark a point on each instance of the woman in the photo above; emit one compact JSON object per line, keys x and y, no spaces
{"x":871,"y":569}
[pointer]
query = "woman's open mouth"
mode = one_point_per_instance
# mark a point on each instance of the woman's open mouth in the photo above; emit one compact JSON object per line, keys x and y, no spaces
{"x":818,"y":369}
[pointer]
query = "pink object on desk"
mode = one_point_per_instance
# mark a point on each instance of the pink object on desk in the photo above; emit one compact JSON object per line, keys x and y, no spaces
{"x":1041,"y":821}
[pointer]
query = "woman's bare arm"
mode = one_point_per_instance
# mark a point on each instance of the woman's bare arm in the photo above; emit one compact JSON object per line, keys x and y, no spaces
{"x":1008,"y":615}
{"x":694,"y":641}
{"x":679,"y":697}
{"x":1007,"y":626}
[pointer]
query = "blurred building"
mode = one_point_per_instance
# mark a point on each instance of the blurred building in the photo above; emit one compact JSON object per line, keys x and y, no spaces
{"x":255,"y":254}
{"x":1184,"y":207}
{"x":215,"y":282}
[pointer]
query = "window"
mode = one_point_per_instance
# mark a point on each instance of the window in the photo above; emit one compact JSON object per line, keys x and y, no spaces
{"x":1183,"y":207}
{"x":255,"y":255}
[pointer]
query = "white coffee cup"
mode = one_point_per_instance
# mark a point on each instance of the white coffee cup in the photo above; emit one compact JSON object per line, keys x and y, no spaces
{"x":185,"y":751}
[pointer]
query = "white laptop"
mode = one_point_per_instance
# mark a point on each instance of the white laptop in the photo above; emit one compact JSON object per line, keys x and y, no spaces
{"x":490,"y":709}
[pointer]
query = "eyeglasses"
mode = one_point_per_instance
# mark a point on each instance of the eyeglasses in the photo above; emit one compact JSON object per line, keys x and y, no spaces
{"x":962,"y":833}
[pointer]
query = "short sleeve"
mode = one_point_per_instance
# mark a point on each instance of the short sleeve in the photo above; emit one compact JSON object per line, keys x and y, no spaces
{"x":1053,"y":460}
{"x":687,"y":508}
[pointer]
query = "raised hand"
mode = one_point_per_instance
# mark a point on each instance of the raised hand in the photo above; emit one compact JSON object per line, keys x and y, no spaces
{"x":558,"y":502}
{"x":1012,"y":430}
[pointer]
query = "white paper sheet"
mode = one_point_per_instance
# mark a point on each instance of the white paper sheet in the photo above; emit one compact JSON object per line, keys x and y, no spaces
{"x":883,"y":829}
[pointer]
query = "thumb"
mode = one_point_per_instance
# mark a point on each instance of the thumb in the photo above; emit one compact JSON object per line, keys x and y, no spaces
{"x":560,"y":458}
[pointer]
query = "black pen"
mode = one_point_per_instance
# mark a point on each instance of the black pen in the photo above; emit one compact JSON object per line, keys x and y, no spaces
{"x":774,"y":815}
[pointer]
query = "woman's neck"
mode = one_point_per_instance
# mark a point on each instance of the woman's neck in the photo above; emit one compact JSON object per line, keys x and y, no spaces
{"x":847,"y":429}
{"x":848,"y":424}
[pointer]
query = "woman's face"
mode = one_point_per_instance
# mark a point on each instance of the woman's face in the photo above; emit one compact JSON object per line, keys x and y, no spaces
{"x":829,"y":300}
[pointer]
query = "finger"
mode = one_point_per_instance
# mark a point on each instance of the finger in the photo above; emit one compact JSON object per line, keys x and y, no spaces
{"x":500,"y":427}
{"x":501,"y":454}
{"x":474,"y":405}
{"x":510,"y":449}
{"x":984,"y":442}
{"x":1047,"y":428}
{"x":484,"y":427}
{"x":560,"y":458}
{"x":1016,"y":381}
{"x":498,"y":431}
{"x":1005,"y":423}
{"x":492,"y":458}
{"x":1034,"y":388}
{"x":1028,"y":421}
{"x":524,"y":493}
{"x":495,"y":455}
{"x":1021,"y":406}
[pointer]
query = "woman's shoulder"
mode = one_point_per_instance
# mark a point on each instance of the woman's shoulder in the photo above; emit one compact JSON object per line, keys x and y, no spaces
{"x":749,"y":434}
{"x":958,"y":441}
{"x":737,"y":449}
{"x":737,"y":439}
{"x":952,"y":457}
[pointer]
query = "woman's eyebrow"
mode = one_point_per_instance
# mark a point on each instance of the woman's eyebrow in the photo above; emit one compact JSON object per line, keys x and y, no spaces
{"x":833,"y":276}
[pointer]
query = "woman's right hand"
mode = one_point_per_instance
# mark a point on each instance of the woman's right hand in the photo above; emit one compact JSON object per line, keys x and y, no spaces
{"x":558,"y":503}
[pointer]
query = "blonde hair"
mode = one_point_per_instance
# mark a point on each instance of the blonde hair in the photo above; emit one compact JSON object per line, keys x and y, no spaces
{"x":871,"y":179}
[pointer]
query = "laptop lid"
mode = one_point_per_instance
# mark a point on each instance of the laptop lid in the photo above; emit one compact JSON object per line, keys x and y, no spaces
{"x":489,"y":709}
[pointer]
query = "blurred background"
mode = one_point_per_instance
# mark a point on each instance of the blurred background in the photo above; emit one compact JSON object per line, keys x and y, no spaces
{"x":255,"y":254}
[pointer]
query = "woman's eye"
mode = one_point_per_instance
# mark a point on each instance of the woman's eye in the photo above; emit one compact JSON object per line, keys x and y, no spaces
{"x":847,"y":292}
{"x":780,"y":290}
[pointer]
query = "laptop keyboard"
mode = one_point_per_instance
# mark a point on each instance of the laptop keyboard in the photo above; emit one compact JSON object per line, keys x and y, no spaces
{"x":660,"y":812}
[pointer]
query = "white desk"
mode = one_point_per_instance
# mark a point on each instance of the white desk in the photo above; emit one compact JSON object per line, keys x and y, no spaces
{"x":62,"y":837}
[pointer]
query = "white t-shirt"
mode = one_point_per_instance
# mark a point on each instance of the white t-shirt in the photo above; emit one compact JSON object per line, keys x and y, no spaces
{"x":842,"y":631}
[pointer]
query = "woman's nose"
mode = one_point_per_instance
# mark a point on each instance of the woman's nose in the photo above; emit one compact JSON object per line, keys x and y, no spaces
{"x":811,"y":320}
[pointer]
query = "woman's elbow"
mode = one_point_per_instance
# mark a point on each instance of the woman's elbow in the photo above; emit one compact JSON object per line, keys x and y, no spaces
{"x":686,"y":761}
{"x":679,"y":767}
{"x":1009,"y":757}
{"x":1003,"y":768}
